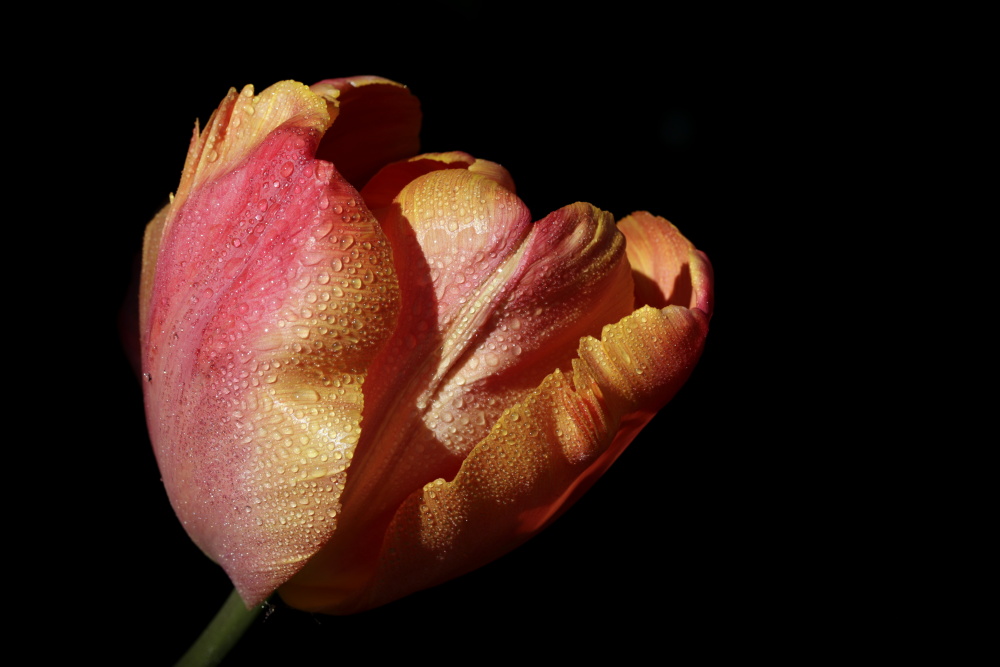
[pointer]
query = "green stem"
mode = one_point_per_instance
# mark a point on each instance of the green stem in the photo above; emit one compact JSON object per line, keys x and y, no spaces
{"x":221,"y":635}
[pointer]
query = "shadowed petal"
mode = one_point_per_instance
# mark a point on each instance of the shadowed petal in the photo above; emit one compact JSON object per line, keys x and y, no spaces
{"x":377,"y":122}
{"x":667,"y":267}
{"x":538,"y":458}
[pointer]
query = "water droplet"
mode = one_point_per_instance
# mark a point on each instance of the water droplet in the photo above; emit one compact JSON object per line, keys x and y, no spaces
{"x":324,"y":203}
{"x":337,"y":265}
{"x":287,"y":169}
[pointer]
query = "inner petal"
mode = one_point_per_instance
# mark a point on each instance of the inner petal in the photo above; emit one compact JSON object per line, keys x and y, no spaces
{"x":491,"y":305}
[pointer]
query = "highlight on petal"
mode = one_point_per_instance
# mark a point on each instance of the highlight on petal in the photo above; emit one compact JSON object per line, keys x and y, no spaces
{"x":273,"y":289}
{"x":501,"y":332}
{"x":377,"y":122}
{"x":387,"y":183}
{"x":538,"y":458}
{"x":510,"y":307}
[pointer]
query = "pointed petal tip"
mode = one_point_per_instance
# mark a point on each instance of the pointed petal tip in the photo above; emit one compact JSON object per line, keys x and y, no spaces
{"x":244,"y":120}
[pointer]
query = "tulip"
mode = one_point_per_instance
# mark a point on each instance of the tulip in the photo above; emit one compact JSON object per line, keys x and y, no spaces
{"x":366,"y":373}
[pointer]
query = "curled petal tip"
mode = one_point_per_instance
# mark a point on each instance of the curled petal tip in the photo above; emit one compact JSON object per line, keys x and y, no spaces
{"x":668,"y":269}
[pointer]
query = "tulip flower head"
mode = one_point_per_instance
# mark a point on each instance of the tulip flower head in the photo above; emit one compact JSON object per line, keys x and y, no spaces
{"x":368,"y":371}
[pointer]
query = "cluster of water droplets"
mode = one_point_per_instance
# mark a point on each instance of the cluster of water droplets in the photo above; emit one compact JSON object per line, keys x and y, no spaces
{"x":313,"y":293}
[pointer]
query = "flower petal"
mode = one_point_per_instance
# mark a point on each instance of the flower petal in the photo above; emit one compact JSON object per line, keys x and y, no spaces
{"x":273,"y":288}
{"x":667,"y":267}
{"x":539,"y":457}
{"x":500,"y":331}
{"x":386,"y":185}
{"x":377,"y":122}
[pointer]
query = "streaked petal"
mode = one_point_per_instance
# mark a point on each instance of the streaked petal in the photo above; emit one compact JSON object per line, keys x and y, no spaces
{"x":273,"y":289}
{"x":495,"y":334}
{"x":542,"y":453}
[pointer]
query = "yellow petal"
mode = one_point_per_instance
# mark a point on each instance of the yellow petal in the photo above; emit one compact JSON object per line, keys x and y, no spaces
{"x":472,"y":341}
{"x":538,"y":458}
{"x":386,"y":185}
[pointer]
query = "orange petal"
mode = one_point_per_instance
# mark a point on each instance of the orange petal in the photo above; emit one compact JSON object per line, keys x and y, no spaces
{"x":667,"y":267}
{"x":383,"y":188}
{"x":538,"y":458}
{"x":451,"y":371}
{"x":377,"y":122}
{"x":456,"y":237}
{"x":272,"y":290}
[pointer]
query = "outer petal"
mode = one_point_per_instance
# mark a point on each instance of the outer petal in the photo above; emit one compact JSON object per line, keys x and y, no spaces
{"x":268,"y":288}
{"x":539,"y":457}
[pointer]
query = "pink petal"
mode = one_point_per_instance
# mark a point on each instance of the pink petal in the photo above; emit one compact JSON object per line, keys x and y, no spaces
{"x":268,"y":289}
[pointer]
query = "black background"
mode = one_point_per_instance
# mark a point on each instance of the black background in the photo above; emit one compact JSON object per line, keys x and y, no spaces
{"x":674,"y":550}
